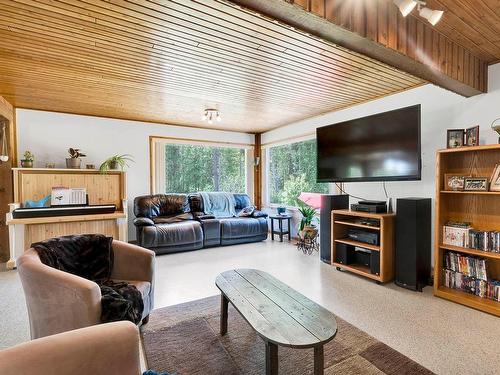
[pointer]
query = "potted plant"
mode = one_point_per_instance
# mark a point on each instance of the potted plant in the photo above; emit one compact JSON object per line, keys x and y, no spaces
{"x":307,"y":228}
{"x":115,"y":162}
{"x":74,"y":161}
{"x":27,"y":161}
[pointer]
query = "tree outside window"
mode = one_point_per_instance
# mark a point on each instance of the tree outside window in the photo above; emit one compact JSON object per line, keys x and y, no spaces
{"x":192,"y":168}
{"x":292,"y":170}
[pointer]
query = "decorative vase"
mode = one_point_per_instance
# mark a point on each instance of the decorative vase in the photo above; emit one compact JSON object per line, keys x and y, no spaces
{"x":113,"y":165}
{"x":73,"y":163}
{"x":27,"y":163}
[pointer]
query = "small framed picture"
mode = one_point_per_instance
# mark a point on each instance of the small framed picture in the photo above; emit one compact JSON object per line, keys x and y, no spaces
{"x":476,"y":184}
{"x":454,"y":182}
{"x":472,"y":136}
{"x":495,"y":179}
{"x":454,"y":138}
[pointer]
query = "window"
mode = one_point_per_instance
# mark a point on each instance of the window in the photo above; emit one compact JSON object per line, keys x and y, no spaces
{"x":292,"y":170}
{"x":181,"y":167}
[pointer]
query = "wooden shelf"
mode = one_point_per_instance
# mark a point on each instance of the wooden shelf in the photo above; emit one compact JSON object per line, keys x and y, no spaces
{"x":67,"y":219}
{"x":470,"y":149}
{"x":359,"y":270}
{"x":484,"y":254}
{"x":470,"y":192}
{"x":476,"y":302}
{"x":348,"y":241}
{"x":356,"y":225}
{"x":342,"y":221}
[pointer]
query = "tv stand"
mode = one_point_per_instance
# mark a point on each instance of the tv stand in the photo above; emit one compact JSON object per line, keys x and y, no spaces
{"x":383,"y":253}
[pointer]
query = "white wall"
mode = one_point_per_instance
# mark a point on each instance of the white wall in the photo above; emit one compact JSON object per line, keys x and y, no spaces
{"x":441,"y":110}
{"x":48,"y":135}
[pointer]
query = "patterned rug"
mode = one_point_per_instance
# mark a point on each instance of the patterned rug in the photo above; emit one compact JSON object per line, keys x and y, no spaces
{"x":185,"y":339}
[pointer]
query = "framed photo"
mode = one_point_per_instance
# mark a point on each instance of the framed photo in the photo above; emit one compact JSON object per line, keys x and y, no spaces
{"x":454,"y":182}
{"x":454,"y":138}
{"x":472,"y":136}
{"x":476,"y":184}
{"x":495,"y":179}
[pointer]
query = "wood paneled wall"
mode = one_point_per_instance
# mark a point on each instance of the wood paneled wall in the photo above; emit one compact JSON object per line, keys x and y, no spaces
{"x":411,"y":44}
{"x":6,"y":195}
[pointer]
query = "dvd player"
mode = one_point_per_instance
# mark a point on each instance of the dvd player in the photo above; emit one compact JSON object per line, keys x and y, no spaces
{"x":370,"y":208}
{"x":363,"y":236}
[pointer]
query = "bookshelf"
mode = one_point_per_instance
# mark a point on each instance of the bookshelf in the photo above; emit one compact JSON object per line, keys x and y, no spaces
{"x":342,"y":220}
{"x":481,"y":209}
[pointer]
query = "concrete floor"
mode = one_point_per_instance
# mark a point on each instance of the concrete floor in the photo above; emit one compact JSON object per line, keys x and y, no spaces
{"x":443,"y":336}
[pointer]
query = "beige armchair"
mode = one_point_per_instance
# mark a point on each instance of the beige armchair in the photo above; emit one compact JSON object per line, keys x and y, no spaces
{"x":58,"y":301}
{"x":107,"y":349}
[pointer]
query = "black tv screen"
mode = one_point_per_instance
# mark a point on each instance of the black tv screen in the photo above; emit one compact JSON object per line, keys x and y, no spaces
{"x":381,"y":147}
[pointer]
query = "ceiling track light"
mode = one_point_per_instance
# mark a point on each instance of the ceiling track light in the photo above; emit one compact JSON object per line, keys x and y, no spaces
{"x":407,"y":6}
{"x":210,"y":115}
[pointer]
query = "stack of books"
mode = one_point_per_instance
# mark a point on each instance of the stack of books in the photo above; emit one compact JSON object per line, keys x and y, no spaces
{"x":463,"y":235}
{"x":469,"y":274}
{"x":456,"y":233}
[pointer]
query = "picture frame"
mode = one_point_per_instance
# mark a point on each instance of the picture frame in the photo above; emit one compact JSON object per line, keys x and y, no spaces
{"x":472,"y":136}
{"x":476,"y":184}
{"x":495,"y":179}
{"x":455,"y":138}
{"x":454,"y":182}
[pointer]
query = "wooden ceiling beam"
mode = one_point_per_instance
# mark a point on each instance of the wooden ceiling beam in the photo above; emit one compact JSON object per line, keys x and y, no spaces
{"x":376,"y":29}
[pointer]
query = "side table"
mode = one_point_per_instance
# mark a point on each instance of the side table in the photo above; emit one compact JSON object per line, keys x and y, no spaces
{"x":281,"y":232}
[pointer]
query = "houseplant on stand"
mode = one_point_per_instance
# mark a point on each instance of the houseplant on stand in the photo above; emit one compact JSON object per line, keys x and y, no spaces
{"x":308,"y":232}
{"x":28,"y":159}
{"x":115,"y":162}
{"x":74,"y":161}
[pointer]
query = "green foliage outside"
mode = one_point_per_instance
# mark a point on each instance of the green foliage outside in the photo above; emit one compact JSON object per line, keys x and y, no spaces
{"x":292,"y":170}
{"x":202,"y":168}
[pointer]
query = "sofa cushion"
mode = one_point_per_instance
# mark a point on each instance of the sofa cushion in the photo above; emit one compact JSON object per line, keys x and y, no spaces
{"x":161,"y":205}
{"x":172,"y":218}
{"x":184,"y":232}
{"x":242,"y":201}
{"x":240,"y":227}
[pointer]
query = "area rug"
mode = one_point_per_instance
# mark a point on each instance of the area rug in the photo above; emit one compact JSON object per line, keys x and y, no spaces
{"x":185,"y":339}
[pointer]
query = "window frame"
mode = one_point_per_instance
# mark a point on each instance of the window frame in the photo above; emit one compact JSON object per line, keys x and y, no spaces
{"x":266,"y":163}
{"x":157,"y":159}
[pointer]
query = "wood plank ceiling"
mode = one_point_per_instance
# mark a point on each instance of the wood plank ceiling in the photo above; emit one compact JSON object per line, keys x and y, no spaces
{"x":166,"y":61}
{"x":452,"y":55}
{"x":474,"y":24}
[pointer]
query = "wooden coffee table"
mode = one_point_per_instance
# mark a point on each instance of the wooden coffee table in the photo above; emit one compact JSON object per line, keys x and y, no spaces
{"x":279,"y":314}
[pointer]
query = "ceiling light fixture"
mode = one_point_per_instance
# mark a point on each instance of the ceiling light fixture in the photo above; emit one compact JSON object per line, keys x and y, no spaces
{"x":210,"y":115}
{"x":406,"y":7}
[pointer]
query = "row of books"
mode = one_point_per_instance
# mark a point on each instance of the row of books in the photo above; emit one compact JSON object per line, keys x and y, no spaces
{"x":466,"y":265}
{"x":463,"y":235}
{"x":482,"y":288}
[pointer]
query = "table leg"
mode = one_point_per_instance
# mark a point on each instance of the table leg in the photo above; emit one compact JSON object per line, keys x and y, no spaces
{"x":271,"y":358}
{"x":319,"y":362}
{"x":281,"y":230}
{"x":272,"y":229}
{"x":289,"y":231}
{"x":224,"y":302}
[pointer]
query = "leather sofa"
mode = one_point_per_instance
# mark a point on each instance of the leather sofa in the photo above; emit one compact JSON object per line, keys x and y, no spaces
{"x":168,"y":223}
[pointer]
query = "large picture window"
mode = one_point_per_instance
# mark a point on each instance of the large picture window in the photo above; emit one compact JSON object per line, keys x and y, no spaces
{"x":292,"y":170}
{"x":191,"y":168}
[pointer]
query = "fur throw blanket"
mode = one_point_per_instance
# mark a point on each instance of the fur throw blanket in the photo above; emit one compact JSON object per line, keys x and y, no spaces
{"x":91,"y":256}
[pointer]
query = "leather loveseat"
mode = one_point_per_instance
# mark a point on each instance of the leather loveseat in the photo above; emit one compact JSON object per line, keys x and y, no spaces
{"x":168,"y":223}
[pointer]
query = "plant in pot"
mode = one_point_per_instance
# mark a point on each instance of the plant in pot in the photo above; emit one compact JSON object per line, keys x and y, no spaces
{"x":307,"y":228}
{"x":115,"y":162}
{"x":28,"y":159}
{"x":74,"y":161}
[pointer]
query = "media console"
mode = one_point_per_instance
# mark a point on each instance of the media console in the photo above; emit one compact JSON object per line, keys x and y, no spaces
{"x":363,"y":243}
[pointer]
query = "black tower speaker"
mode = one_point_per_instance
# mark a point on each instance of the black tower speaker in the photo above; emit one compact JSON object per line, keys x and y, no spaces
{"x":329,"y":203}
{"x":413,"y":242}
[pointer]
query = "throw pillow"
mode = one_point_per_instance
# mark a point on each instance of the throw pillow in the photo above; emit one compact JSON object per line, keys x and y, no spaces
{"x":247,"y":211}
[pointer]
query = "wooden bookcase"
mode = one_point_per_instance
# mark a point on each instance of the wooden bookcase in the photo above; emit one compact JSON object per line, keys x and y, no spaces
{"x":481,"y":209}
{"x":342,"y":220}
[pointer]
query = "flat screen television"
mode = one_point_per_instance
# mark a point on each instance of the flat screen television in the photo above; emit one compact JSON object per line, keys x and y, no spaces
{"x":381,"y":147}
